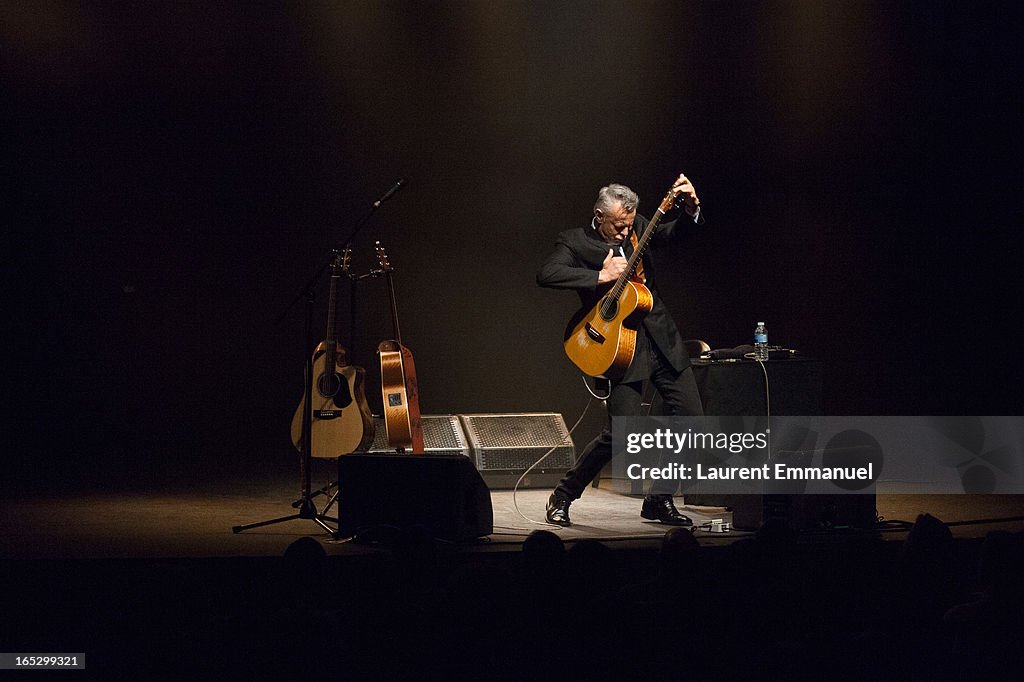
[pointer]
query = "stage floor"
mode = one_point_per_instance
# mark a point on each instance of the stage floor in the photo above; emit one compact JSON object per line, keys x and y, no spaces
{"x":194,"y":522}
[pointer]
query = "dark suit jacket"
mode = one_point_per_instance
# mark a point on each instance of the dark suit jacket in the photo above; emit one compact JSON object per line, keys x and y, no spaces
{"x":574,"y":264}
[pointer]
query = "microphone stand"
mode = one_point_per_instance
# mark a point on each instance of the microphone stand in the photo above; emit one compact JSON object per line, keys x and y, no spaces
{"x":306,"y":506}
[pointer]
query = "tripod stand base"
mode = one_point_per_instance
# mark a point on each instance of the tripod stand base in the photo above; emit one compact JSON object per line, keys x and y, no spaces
{"x":322,"y":491}
{"x":307,"y":510}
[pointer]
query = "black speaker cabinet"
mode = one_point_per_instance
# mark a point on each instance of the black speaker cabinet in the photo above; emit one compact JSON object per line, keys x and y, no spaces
{"x":506,"y":445}
{"x":443,"y":494}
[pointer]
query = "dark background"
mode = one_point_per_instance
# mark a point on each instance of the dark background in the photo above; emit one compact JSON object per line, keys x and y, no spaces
{"x":176,"y":172}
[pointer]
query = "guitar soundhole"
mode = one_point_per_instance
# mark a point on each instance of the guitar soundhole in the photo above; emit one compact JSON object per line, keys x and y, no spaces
{"x":335,"y":387}
{"x":328,"y":384}
{"x":608,"y":309}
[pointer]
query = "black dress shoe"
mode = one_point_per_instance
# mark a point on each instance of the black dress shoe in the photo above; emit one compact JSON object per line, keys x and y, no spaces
{"x":558,"y":511}
{"x":661,"y":508}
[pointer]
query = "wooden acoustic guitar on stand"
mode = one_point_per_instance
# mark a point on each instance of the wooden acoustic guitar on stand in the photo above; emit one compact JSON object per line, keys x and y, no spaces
{"x":399,"y":387}
{"x":341,"y":419}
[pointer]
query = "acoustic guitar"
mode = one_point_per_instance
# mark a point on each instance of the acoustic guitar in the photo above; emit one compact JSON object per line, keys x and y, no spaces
{"x":601,"y":341}
{"x":341,"y":419}
{"x":399,"y":388}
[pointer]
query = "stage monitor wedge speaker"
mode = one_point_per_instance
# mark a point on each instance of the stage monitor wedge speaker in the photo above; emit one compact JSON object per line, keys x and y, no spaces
{"x":503,"y":446}
{"x":381,"y":494}
{"x":442,"y":435}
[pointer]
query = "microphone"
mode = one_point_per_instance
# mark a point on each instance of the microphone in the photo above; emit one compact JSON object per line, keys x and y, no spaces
{"x":399,"y":183}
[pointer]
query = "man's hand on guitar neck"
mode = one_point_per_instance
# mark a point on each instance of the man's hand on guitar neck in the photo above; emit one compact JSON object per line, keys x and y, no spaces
{"x":611,"y":268}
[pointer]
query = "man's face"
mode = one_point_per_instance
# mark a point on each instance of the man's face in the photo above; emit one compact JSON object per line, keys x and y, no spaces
{"x":614,"y":224}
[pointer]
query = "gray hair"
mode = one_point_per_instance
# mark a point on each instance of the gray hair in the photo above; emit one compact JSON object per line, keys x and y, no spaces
{"x":614,"y":194}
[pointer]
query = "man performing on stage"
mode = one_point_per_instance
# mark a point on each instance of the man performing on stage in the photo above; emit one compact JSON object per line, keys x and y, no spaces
{"x":589,"y":259}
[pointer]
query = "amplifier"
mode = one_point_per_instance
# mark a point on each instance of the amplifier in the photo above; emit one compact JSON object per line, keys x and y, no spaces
{"x":442,"y":435}
{"x":505,"y":445}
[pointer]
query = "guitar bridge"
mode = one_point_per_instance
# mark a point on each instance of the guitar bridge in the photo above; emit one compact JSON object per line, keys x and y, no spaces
{"x":326,"y":414}
{"x":594,"y":334}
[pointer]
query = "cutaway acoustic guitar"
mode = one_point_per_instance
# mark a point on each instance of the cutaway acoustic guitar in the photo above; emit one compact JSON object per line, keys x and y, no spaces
{"x":341,"y":419}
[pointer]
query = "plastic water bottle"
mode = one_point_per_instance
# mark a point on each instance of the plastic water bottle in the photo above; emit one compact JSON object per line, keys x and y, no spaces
{"x":760,"y":342}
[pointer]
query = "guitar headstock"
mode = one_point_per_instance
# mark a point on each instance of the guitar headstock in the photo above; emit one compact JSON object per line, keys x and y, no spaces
{"x":337,"y":264}
{"x":346,"y":260}
{"x":382,"y":258}
{"x":669,"y":201}
{"x":676,"y":197}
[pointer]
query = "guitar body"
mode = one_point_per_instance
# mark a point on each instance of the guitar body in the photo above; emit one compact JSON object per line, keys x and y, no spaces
{"x":341,"y":419}
{"x":400,"y":392}
{"x":603,"y":345}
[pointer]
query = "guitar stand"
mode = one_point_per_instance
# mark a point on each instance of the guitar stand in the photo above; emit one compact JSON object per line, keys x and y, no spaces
{"x":305,"y":505}
{"x":307,"y":510}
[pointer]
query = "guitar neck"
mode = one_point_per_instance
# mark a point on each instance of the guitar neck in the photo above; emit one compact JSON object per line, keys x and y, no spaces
{"x":331,"y":337}
{"x":394,"y":307}
{"x":638,"y":252}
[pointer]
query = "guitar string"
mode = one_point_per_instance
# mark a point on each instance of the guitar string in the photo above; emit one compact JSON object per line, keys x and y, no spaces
{"x":636,"y":258}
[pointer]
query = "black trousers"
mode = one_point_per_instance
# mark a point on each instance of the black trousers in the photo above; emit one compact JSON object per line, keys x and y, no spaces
{"x":681,"y":398}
